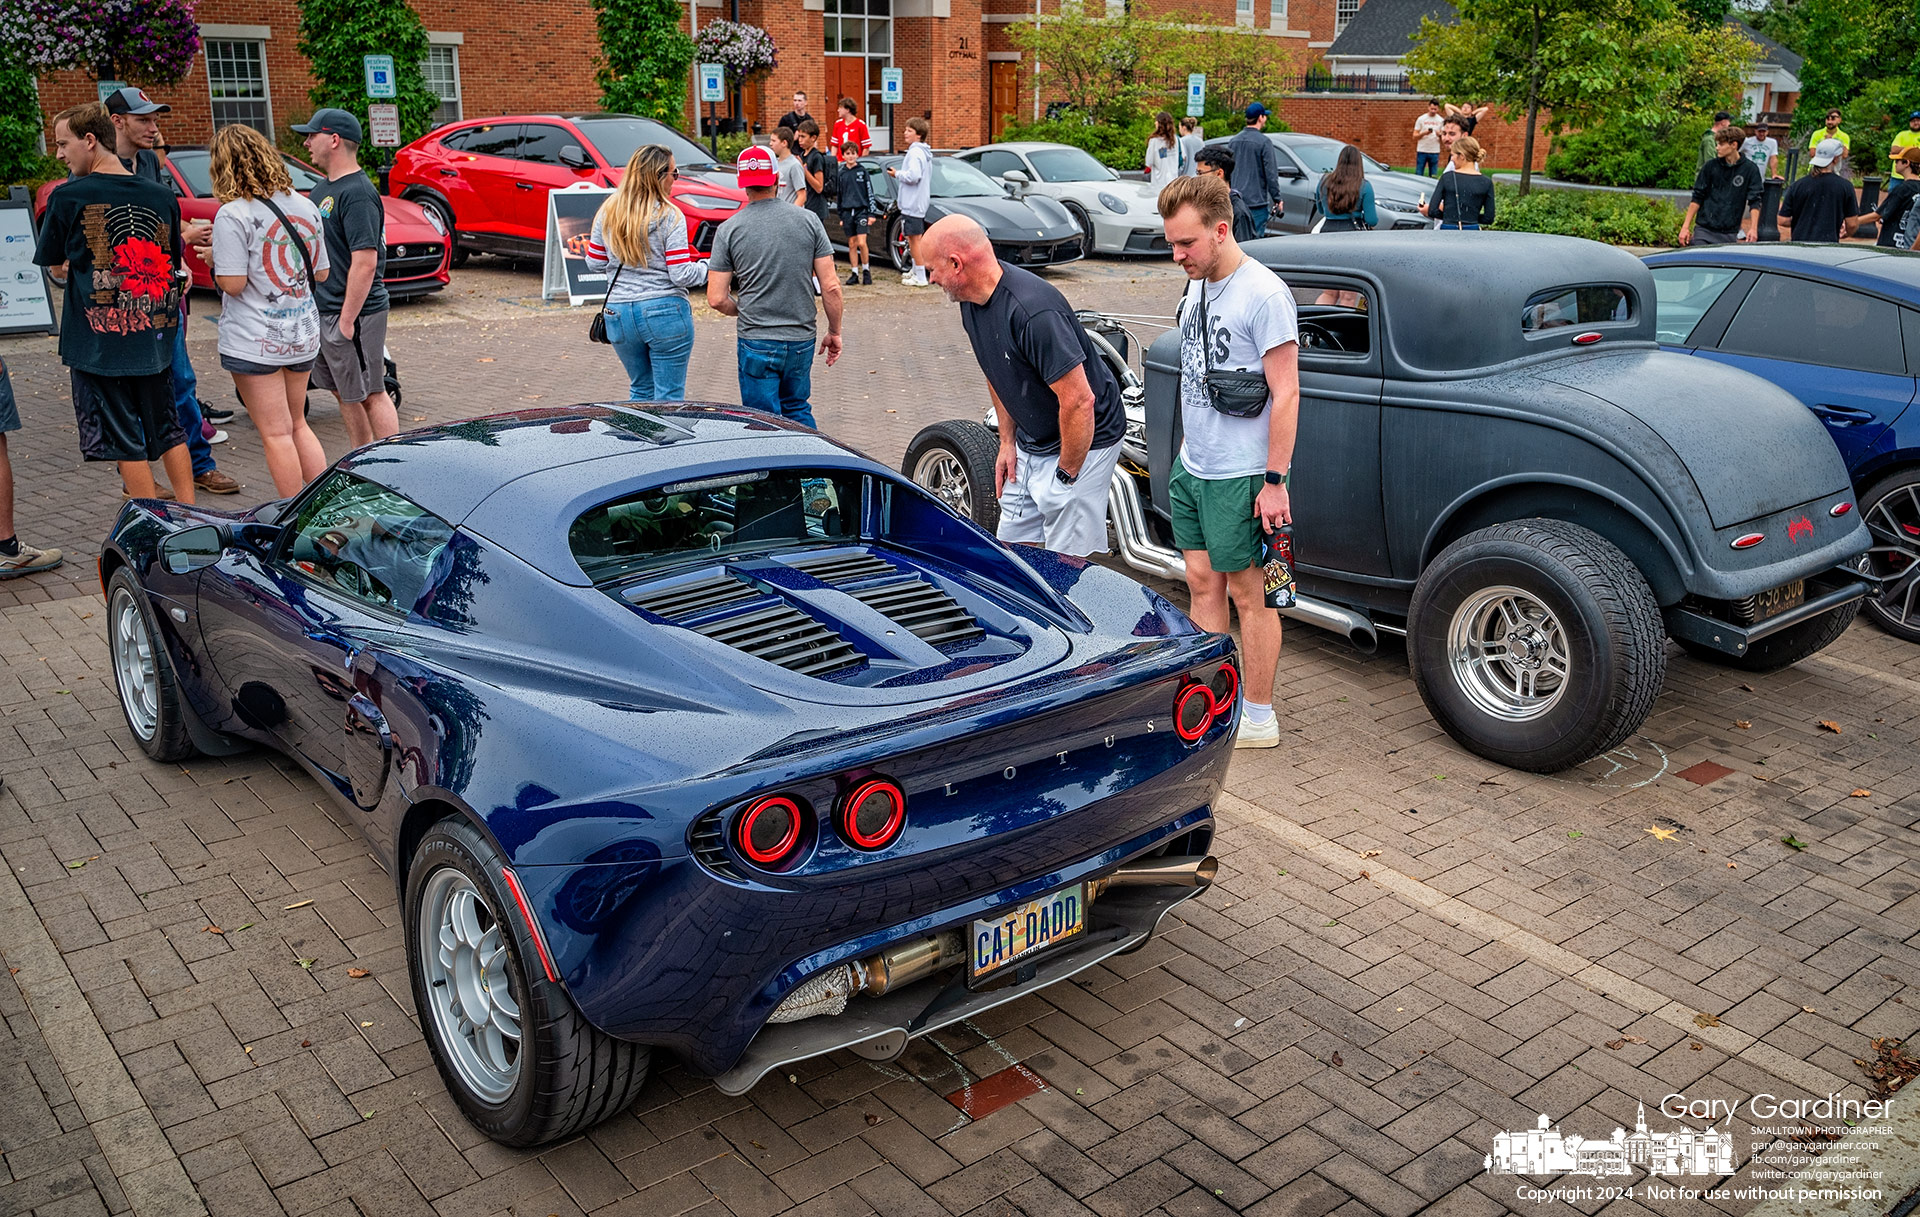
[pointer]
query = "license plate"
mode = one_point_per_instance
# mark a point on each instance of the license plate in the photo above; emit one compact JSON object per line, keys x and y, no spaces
{"x":1025,"y":929}
{"x":1774,"y":601}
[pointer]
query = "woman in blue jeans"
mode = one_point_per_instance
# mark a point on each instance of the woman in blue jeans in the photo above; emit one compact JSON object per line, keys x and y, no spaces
{"x":640,"y":240}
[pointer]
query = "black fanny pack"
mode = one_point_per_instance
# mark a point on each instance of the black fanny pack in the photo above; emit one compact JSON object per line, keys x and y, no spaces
{"x":1232,"y":392}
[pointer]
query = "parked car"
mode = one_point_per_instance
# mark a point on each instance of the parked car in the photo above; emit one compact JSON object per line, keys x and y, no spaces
{"x":686,"y":728}
{"x":1304,"y":159}
{"x":1115,"y":216}
{"x":1032,"y":232}
{"x":1536,"y":500}
{"x":488,"y":178}
{"x":419,"y":260}
{"x":1837,"y":326}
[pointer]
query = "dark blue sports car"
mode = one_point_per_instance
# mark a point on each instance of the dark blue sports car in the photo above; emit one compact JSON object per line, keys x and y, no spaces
{"x":687,"y":728}
{"x":1838,"y":326}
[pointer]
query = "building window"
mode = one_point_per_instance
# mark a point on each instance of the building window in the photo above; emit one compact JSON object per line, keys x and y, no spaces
{"x":1343,"y":12}
{"x":441,"y":67}
{"x":1243,"y":12}
{"x":1279,"y":14}
{"x":237,"y":83}
{"x":1116,"y":8}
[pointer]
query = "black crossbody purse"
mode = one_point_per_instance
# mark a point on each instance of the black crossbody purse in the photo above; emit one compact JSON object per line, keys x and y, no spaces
{"x":1232,"y":392}
{"x":597,"y":328}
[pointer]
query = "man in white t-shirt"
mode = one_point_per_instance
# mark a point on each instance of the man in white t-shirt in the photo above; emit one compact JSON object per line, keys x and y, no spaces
{"x":1763,"y":150}
{"x":1230,"y":480}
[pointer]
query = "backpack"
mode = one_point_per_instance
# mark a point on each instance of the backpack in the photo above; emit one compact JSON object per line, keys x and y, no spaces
{"x":1909,"y":227}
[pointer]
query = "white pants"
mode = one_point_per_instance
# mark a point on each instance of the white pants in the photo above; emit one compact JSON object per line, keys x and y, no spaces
{"x":1036,"y":509}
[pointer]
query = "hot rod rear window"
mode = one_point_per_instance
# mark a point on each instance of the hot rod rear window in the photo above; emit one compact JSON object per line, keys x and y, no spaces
{"x":1595,"y":304}
{"x":729,"y":513}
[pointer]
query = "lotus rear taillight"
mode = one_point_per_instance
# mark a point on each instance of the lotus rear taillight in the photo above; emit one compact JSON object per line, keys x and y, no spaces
{"x":872,"y":814}
{"x":768,"y":831}
{"x":1226,"y":689}
{"x":1192,"y":711}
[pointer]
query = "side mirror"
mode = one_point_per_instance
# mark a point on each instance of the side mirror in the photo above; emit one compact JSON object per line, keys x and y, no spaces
{"x":1017,"y":182}
{"x":573,"y":156}
{"x":194,"y":548}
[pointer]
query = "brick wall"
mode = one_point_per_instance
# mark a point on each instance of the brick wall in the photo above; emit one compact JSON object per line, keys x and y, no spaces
{"x":1382,"y":126}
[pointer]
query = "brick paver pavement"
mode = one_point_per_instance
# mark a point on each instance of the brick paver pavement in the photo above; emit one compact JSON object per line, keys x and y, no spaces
{"x":1408,"y":950}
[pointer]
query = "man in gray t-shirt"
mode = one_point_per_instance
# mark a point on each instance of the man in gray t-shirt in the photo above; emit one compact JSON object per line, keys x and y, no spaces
{"x":791,"y":185}
{"x":765,"y":262}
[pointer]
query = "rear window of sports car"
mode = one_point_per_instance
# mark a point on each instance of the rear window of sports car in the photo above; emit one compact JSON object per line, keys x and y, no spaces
{"x":729,"y":514}
{"x":1591,"y":304}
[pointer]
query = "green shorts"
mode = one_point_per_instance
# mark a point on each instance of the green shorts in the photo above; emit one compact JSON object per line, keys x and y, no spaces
{"x":1217,"y":516}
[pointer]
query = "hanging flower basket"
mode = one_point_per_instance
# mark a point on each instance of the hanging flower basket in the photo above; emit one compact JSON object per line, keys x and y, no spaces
{"x":742,"y":49}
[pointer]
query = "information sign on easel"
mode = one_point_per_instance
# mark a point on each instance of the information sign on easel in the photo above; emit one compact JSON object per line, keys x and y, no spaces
{"x":26,"y":294}
{"x":570,"y":213}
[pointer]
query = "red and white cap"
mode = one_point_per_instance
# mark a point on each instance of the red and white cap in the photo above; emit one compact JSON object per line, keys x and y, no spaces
{"x":756,"y":166}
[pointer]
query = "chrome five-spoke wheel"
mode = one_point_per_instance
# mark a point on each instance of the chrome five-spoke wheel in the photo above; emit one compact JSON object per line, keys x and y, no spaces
{"x":133,"y":666}
{"x":1508,"y":653}
{"x":468,"y":985}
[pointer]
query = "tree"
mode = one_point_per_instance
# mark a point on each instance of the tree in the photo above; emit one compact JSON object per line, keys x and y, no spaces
{"x":337,"y":35}
{"x":1241,"y":64}
{"x":1104,"y":67}
{"x":644,"y":58}
{"x":20,"y":157}
{"x":148,"y":42}
{"x":1584,"y":61}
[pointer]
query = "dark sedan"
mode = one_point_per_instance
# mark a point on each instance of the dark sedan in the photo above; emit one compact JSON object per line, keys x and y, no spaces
{"x":1305,"y":159}
{"x":1033,"y":231}
{"x":1837,"y":326}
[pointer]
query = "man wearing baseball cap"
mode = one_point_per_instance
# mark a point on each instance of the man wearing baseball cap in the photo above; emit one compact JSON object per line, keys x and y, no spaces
{"x":1910,"y":138}
{"x":1256,"y":168}
{"x":353,"y":306}
{"x":765,"y":262}
{"x":1822,"y":205}
{"x":136,"y":137}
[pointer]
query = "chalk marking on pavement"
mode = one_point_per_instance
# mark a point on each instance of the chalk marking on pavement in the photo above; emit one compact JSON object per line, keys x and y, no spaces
{"x":1582,"y":971}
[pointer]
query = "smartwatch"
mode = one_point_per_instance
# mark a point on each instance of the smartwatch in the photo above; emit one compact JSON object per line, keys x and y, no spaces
{"x":1063,"y":477}
{"x":1278,"y":479}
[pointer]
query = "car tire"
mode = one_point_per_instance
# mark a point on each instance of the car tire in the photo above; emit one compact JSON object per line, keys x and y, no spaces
{"x":953,"y":461}
{"x":1891,"y":509}
{"x":535,"y":1071}
{"x":143,"y":672}
{"x":444,"y":210}
{"x":1085,"y":222}
{"x":1591,"y":644}
{"x":1788,"y":647}
{"x":898,"y":250}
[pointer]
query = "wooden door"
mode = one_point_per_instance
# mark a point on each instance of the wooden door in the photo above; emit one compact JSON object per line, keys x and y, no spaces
{"x":846,"y":77}
{"x":1006,"y":94}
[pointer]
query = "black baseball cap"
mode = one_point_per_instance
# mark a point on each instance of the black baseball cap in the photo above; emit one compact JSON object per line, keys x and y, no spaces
{"x":134,"y":101}
{"x":1722,"y":116}
{"x":333,"y":122}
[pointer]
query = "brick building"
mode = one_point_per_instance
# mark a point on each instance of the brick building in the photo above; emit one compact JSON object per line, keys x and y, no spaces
{"x":957,"y":58}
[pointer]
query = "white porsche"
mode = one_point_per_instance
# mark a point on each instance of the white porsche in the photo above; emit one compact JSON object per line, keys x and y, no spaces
{"x":1117,"y":216}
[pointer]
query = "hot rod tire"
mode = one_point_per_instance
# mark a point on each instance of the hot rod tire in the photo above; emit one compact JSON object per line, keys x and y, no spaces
{"x":1788,"y":647}
{"x":954,"y":462}
{"x":143,"y":673}
{"x":525,"y":1067}
{"x":1536,"y":644}
{"x":1891,"y":509}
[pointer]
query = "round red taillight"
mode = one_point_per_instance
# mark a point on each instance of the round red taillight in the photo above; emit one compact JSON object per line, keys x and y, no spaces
{"x":1193,"y":712}
{"x":1225,"y":687}
{"x":873,"y":814}
{"x":768,"y":830}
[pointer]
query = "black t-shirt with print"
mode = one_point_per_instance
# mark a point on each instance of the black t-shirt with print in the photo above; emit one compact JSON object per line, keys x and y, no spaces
{"x":1816,"y":205}
{"x":1026,"y":337}
{"x":353,"y":217}
{"x":120,"y":238}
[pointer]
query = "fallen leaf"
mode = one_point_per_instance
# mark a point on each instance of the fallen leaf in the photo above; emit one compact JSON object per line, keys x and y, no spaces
{"x":366,"y":1024}
{"x":872,"y":1119}
{"x":248,"y":1048}
{"x":1363,"y":875}
{"x":485,"y":359}
{"x":247,"y":926}
{"x":756,"y":1145}
{"x":419,"y":418}
{"x":299,"y":904}
{"x":1660,"y":834}
{"x":1733,"y":866}
{"x":1079,"y":1090}
{"x":1330,"y":923}
{"x":306,"y":963}
{"x":306,"y":1043}
{"x":1371,"y":853}
{"x":1704,"y":1019}
{"x":1575,"y":836}
{"x":1338,"y":1061}
{"x":212,"y":929}
{"x":1616,"y":1045}
{"x":1793,"y":843}
{"x":1750,"y":688}
{"x":1862,"y":794}
{"x":1743,"y":723}
{"x":367,"y":1115}
{"x":358,"y":973}
{"x":1808,"y":1010}
{"x":1827,"y":724}
{"x":1696,"y":1046}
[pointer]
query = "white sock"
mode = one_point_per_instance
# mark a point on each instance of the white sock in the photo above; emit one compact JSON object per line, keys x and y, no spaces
{"x":1258,"y":714}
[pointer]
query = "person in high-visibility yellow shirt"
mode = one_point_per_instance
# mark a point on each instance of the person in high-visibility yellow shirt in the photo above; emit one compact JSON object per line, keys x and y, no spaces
{"x":1910,"y":138}
{"x":1832,"y":131}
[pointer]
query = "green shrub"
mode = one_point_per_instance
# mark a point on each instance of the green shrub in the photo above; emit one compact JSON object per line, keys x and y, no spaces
{"x":1119,"y":146}
{"x":21,"y":161}
{"x":729,"y":146}
{"x":1617,"y":219}
{"x":1625,"y":154}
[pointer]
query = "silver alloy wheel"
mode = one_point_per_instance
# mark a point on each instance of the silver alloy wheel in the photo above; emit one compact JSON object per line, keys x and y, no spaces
{"x":941,"y":471}
{"x":464,"y":959}
{"x":133,"y":668}
{"x":1508,"y":653}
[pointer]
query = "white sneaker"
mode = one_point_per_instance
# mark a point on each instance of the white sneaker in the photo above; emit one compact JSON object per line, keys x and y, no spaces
{"x":1264,"y":735}
{"x":919,"y":279}
{"x":218,"y":437}
{"x":906,"y":276}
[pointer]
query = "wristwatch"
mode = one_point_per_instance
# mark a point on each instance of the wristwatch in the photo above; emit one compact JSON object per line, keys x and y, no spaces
{"x":1278,"y":479}
{"x":1063,"y":477}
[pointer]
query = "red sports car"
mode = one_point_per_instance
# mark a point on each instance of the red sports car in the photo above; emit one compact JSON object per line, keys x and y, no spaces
{"x":418,"y":252}
{"x":488,"y":178}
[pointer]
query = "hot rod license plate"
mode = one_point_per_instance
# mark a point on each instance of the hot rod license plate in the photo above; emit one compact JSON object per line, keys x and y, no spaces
{"x":1025,"y":929}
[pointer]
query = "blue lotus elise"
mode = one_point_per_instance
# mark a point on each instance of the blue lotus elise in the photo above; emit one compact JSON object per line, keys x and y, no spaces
{"x":685,"y":728}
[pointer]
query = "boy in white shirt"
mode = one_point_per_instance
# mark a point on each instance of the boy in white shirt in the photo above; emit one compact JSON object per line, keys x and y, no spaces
{"x":915,"y":175}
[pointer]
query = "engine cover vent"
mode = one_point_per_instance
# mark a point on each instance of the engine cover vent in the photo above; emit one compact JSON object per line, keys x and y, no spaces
{"x":684,"y":600}
{"x":777,"y":632}
{"x":928,"y":612}
{"x":846,"y":568}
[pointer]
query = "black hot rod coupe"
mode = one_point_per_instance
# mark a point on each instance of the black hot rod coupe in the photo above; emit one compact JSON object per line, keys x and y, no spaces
{"x":1496,"y":460}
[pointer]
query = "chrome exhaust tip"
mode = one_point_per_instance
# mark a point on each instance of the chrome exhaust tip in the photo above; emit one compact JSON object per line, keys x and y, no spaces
{"x":1173,"y":871}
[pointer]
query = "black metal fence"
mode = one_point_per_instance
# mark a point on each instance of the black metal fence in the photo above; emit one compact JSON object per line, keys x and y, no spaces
{"x":1328,"y":82}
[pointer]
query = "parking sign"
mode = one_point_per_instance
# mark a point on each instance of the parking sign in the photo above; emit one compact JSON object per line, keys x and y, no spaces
{"x":379,"y":70}
{"x":713,"y":82}
{"x":383,"y":124}
{"x":890,"y":84}
{"x":1196,"y":94}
